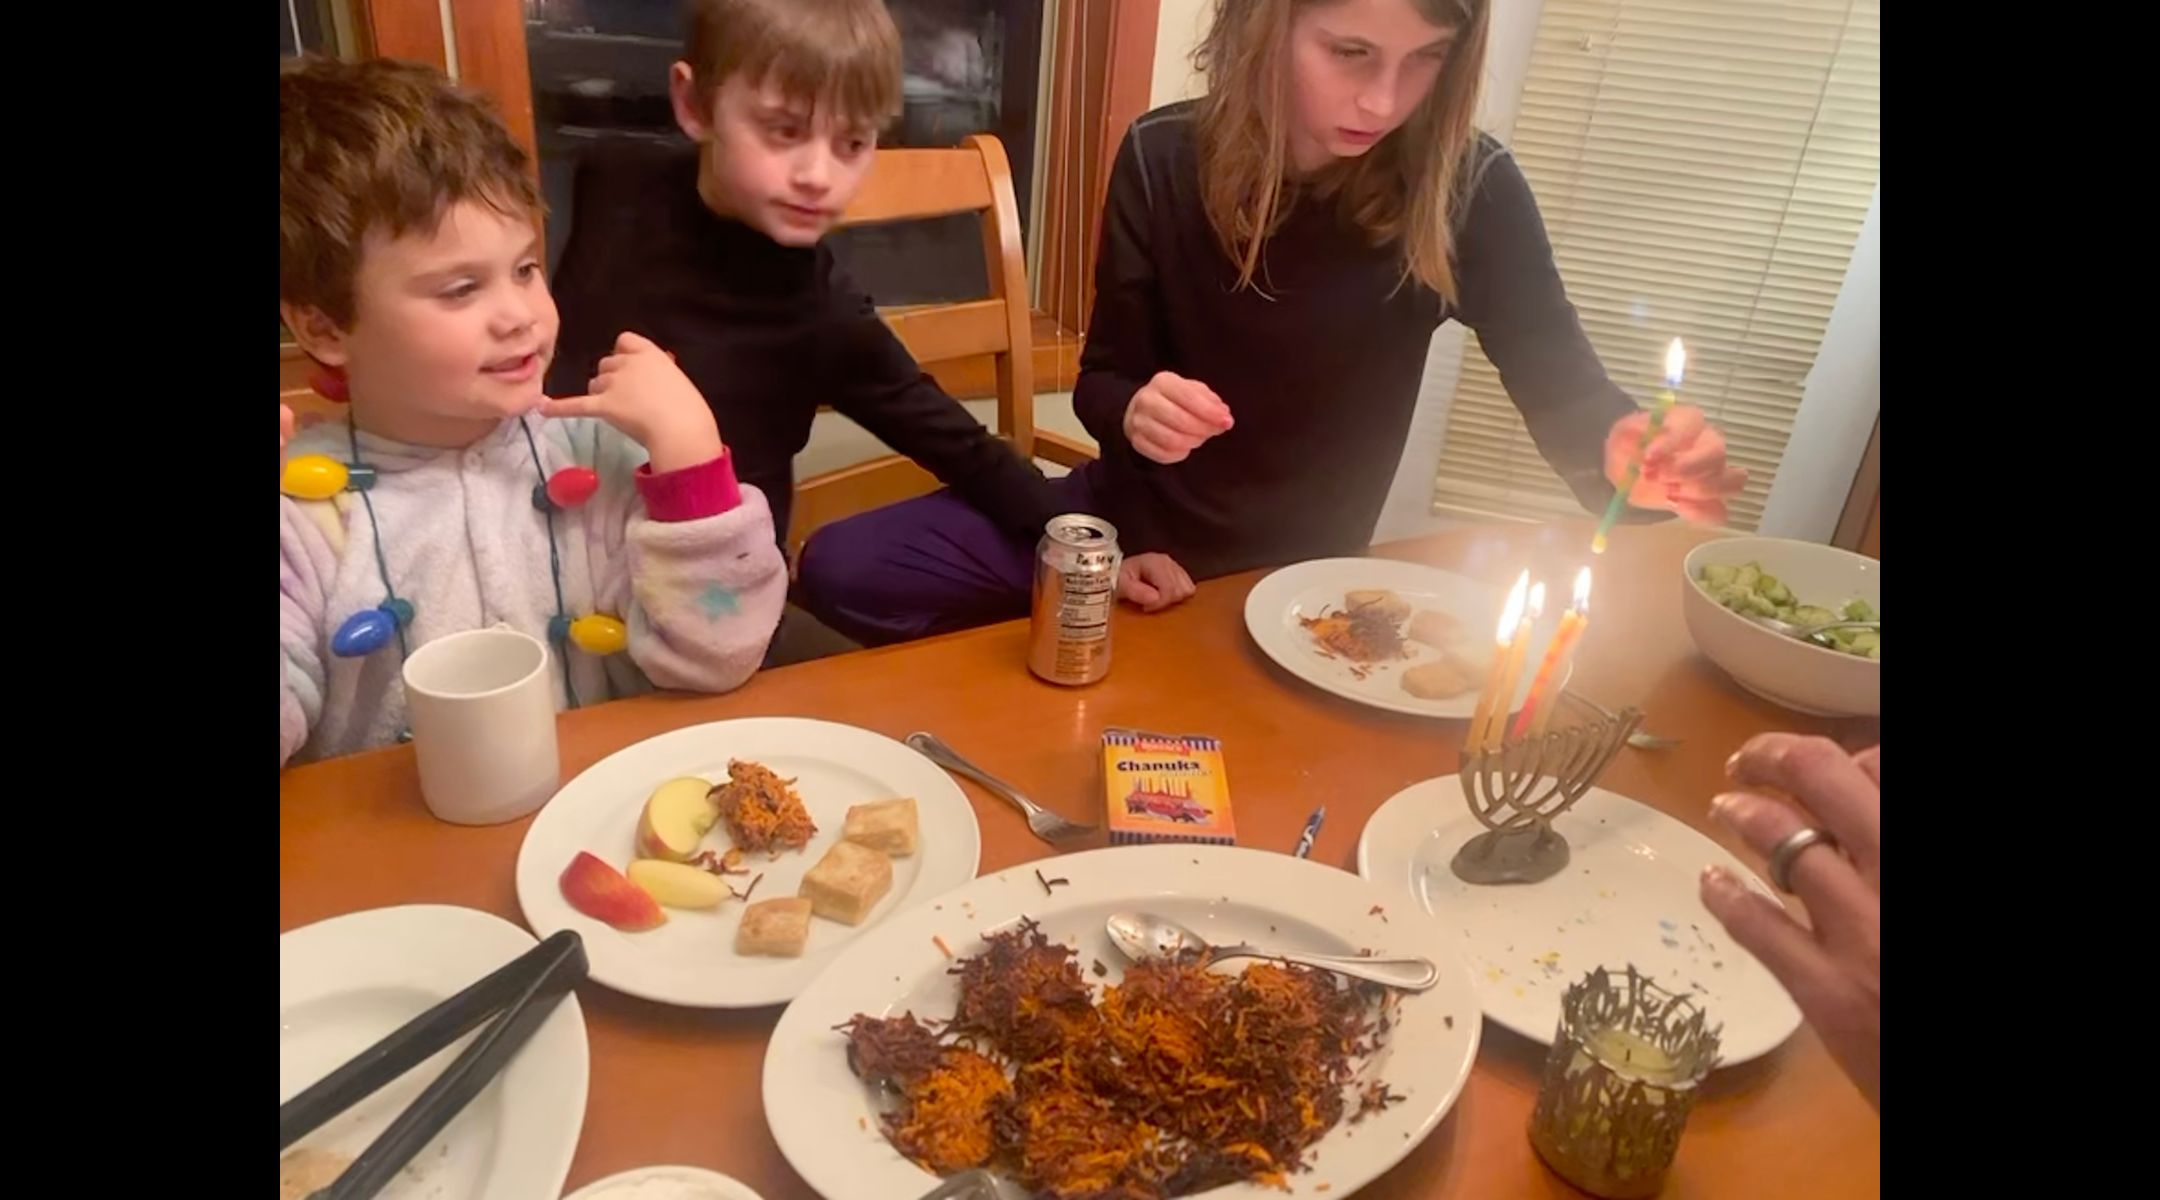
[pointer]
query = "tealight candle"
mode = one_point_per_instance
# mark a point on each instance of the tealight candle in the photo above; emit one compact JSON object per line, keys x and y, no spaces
{"x":1619,"y":1083}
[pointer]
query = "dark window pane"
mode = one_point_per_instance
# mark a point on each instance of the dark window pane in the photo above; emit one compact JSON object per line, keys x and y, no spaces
{"x":306,"y":26}
{"x":599,"y":71}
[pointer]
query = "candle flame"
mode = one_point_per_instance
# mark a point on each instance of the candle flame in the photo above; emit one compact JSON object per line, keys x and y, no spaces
{"x":1582,"y":590}
{"x":1537,"y":603}
{"x":1675,"y":363}
{"x":1511,"y":614}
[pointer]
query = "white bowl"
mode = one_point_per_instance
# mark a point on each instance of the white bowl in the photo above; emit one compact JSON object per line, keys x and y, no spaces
{"x":1787,"y":671}
{"x":696,"y":1183}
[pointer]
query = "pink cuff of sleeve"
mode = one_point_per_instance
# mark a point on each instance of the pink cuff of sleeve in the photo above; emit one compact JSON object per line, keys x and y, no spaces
{"x":705,"y":490}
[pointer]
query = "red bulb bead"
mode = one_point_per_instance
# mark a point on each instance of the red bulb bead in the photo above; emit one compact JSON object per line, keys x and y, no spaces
{"x":330,"y":385}
{"x":572,"y":486}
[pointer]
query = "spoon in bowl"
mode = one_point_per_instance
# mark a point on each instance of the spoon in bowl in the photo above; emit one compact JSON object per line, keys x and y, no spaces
{"x":1143,"y":937}
{"x":1809,"y":633}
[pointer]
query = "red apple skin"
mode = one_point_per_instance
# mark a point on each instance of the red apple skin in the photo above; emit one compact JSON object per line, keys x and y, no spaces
{"x":605,"y":894}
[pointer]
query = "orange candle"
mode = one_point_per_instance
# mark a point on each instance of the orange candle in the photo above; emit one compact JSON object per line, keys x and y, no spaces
{"x":1537,"y":711}
{"x":1510,"y":617}
{"x":1518,"y":650}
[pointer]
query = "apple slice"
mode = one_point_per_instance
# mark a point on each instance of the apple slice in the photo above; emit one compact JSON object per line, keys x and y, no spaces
{"x":676,"y":818}
{"x":599,"y":891}
{"x":677,"y":885}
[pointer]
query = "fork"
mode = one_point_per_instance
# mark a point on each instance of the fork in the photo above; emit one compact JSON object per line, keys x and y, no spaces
{"x":976,"y":1184}
{"x":1640,"y":739}
{"x":1046,"y":825}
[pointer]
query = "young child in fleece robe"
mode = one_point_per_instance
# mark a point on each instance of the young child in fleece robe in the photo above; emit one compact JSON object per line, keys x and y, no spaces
{"x":409,"y":270}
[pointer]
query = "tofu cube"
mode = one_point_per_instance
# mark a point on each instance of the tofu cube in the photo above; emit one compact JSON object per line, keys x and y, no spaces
{"x":847,"y":883}
{"x":774,"y":927}
{"x":887,"y":826}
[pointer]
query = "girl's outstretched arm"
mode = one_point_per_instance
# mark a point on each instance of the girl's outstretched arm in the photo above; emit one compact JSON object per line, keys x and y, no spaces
{"x":1511,"y":294}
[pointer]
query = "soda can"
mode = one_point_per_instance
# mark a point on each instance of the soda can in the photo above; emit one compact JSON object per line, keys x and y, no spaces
{"x":1076,"y":571}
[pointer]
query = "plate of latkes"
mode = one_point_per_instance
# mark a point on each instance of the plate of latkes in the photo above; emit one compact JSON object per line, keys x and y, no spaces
{"x":998,"y":1027}
{"x":725,"y":865}
{"x":1395,"y":635}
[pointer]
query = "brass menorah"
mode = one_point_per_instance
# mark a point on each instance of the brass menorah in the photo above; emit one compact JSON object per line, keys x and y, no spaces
{"x":1517,"y":789}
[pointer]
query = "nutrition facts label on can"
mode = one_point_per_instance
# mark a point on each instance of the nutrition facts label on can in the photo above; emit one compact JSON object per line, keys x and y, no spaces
{"x":1085,"y":610}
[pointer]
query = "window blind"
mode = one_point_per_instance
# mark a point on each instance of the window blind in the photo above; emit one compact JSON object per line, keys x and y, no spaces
{"x":1704,"y":167}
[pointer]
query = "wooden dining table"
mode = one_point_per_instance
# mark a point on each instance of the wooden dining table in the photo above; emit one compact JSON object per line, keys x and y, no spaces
{"x":675,"y":1085}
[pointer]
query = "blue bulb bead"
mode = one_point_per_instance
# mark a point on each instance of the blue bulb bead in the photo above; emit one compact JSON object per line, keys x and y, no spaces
{"x":363,"y":633}
{"x":558,"y":628}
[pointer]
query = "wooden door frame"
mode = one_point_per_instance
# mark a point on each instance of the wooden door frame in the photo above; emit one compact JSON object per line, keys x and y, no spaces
{"x":1859,"y":526}
{"x":1105,"y":48}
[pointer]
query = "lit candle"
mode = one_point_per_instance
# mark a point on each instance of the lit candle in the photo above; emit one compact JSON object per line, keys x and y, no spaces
{"x":1675,"y":368}
{"x":1510,"y":617}
{"x":1517,"y":651}
{"x":1537,"y":711}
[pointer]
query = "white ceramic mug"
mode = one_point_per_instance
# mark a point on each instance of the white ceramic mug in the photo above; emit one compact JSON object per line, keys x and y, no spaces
{"x":482,"y":708}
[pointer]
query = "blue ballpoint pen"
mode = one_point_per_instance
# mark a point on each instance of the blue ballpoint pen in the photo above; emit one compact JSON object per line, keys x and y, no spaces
{"x":1312,"y":830}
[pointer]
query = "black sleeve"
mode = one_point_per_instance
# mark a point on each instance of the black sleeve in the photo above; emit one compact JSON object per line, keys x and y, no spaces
{"x":875,"y":382}
{"x":1513,"y":298}
{"x":589,"y":304}
{"x":1124,"y":343}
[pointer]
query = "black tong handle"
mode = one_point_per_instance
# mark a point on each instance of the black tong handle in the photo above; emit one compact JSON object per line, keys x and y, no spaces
{"x":520,"y":996}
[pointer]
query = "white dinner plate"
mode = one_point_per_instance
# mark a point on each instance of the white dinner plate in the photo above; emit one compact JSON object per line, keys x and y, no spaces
{"x":691,"y":960}
{"x":825,"y":1120}
{"x":1629,"y":894}
{"x":656,"y":1183}
{"x":344,"y":983}
{"x":1304,"y":589}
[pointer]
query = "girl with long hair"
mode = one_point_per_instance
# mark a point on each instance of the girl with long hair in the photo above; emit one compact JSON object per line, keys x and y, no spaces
{"x":1274,"y":260}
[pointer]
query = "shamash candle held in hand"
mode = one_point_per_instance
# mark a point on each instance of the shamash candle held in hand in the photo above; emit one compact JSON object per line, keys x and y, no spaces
{"x":1675,"y":368}
{"x":1537,"y":711}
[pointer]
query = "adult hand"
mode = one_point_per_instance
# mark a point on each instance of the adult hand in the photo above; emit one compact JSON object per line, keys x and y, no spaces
{"x":1154,"y":582}
{"x":1833,"y":970}
{"x":640,"y":391}
{"x":1684,"y":470}
{"x":1170,"y":416}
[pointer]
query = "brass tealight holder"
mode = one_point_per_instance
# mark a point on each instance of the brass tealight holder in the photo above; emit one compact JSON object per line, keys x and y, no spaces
{"x":1619,"y":1083}
{"x":1516,"y":790}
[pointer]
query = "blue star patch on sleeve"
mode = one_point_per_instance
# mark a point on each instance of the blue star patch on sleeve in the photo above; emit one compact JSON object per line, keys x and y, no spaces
{"x":719,"y":601}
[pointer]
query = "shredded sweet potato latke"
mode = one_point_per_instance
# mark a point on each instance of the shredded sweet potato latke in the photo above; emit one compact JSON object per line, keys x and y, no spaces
{"x":1362,"y":635}
{"x":1173,"y":1082}
{"x":762,"y":810}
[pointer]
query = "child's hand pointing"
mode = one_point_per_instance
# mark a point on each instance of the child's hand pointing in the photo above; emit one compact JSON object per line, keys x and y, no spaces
{"x":1169,"y":417}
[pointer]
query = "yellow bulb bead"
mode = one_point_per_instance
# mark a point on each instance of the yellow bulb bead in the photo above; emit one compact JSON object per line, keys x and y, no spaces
{"x":314,"y":477}
{"x":599,"y":633}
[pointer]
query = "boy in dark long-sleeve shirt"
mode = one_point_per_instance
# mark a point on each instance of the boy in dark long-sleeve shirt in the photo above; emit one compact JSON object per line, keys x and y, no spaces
{"x":714,"y":253}
{"x":768,"y":332}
